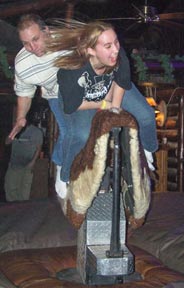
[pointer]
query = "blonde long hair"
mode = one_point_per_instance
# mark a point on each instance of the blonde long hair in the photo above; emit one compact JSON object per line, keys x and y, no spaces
{"x":76,"y":38}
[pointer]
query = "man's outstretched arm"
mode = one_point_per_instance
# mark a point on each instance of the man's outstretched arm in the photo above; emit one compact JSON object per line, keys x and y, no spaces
{"x":23,"y":106}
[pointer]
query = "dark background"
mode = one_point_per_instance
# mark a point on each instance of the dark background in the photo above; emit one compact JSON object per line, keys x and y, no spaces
{"x":165,"y":35}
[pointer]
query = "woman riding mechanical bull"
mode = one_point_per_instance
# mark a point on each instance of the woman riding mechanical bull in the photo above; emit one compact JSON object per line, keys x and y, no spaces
{"x":95,"y":75}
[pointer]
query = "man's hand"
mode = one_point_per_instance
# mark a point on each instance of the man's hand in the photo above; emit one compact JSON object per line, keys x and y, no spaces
{"x":19,"y":124}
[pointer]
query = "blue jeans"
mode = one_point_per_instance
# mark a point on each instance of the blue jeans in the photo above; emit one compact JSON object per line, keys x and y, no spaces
{"x":135,"y":103}
{"x":57,"y":154}
{"x":78,"y":126}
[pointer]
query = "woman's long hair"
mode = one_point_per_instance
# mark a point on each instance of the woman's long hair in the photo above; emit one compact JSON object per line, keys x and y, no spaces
{"x":76,"y":37}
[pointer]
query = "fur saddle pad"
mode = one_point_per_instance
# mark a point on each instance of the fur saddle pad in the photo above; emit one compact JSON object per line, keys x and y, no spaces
{"x":89,"y":165}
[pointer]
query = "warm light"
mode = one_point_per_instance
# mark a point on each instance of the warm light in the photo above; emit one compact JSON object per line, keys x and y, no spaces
{"x":160,"y":119}
{"x":151,"y":101}
{"x":160,"y":111}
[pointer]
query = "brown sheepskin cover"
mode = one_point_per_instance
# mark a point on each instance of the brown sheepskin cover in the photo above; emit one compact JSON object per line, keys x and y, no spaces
{"x":89,"y":166}
{"x":102,"y":123}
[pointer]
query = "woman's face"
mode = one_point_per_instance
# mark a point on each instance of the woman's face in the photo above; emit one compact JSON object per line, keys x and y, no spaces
{"x":106,"y":51}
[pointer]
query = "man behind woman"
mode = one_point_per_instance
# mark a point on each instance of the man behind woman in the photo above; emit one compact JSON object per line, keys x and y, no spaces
{"x":34,"y":67}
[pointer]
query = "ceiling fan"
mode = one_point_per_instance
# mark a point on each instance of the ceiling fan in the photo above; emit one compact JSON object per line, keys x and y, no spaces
{"x":148,"y":14}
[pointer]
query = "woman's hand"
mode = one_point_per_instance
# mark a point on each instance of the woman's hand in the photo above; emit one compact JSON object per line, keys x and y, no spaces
{"x":115,"y":110}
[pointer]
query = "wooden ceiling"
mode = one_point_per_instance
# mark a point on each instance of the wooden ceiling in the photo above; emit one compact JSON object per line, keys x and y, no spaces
{"x":130,"y":30}
{"x":167,"y":39}
{"x":10,"y":9}
{"x":17,"y":7}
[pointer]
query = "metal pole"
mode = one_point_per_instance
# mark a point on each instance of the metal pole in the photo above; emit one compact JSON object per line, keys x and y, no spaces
{"x":115,"y":247}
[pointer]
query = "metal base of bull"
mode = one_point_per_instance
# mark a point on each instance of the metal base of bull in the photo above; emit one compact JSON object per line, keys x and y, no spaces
{"x":102,"y":255}
{"x":72,"y":275}
{"x":95,"y":265}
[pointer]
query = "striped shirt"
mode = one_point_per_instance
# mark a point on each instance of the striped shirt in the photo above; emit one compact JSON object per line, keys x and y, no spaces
{"x":32,"y":71}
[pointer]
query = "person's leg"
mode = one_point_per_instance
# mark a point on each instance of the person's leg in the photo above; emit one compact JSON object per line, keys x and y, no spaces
{"x":78,"y":126}
{"x":57,"y":154}
{"x":135,"y":103}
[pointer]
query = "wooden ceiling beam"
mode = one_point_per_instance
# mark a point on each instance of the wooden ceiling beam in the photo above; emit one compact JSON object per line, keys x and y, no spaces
{"x":26,"y":7}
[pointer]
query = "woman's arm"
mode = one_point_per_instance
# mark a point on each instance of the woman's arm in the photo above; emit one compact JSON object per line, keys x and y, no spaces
{"x":117,"y":95}
{"x":101,"y":104}
{"x":104,"y":105}
{"x":112,"y":100}
{"x":122,"y":80}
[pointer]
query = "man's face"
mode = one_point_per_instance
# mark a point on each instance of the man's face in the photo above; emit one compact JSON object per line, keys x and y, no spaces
{"x":33,"y":39}
{"x":107,"y":49}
